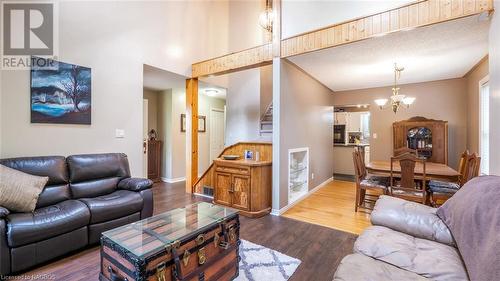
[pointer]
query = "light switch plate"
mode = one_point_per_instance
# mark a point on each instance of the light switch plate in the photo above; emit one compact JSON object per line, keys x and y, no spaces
{"x":119,"y":133}
{"x":374,"y":135}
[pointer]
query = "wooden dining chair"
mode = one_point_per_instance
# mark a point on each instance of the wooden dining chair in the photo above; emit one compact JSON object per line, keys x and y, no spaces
{"x":468,"y":168}
{"x":404,"y":183}
{"x":403,"y":150}
{"x":365,"y":182}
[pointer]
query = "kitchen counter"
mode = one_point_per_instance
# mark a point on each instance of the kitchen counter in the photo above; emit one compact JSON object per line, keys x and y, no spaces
{"x":342,"y":157}
{"x":351,"y":145}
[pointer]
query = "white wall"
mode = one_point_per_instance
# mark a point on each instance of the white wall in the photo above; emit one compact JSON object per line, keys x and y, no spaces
{"x":495,"y":92}
{"x":243,"y":106}
{"x":243,"y":94}
{"x":299,"y":16}
{"x":114,"y":39}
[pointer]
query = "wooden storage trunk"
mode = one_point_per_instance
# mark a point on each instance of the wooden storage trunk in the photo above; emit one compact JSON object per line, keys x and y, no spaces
{"x":163,"y":248}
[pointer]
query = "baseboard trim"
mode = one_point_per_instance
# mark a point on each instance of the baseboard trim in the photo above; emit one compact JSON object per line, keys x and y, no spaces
{"x":279,"y":212}
{"x":173,"y":180}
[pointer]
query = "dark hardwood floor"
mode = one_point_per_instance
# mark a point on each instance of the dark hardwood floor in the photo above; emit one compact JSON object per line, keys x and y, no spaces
{"x":319,"y":248}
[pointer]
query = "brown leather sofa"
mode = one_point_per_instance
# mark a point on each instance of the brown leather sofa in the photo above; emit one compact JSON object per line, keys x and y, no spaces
{"x":85,"y":195}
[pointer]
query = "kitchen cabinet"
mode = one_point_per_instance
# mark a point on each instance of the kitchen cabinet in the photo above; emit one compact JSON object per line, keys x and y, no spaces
{"x":340,"y":118}
{"x":353,"y":120}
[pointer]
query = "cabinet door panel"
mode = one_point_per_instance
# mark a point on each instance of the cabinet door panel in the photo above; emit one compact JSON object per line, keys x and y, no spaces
{"x":241,"y":192}
{"x":222,"y":194}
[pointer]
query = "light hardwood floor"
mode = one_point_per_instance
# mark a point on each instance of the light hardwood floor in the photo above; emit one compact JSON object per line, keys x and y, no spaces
{"x":332,"y":206}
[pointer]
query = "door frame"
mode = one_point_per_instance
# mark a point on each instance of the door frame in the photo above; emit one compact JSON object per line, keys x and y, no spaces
{"x":481,"y":83}
{"x":145,"y":120}
{"x":214,"y":109}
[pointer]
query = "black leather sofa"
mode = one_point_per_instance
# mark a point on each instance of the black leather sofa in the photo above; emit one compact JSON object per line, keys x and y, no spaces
{"x":85,"y":195}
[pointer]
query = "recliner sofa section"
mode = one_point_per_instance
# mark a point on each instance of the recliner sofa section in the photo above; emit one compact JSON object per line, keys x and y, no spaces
{"x":85,"y":196}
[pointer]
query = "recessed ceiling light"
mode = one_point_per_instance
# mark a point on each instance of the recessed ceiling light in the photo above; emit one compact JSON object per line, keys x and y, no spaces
{"x":211,"y":92}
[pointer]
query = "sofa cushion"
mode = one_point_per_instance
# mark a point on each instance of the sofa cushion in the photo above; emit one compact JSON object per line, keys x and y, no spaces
{"x":473,"y":217}
{"x":112,"y":206}
{"x":357,"y":267}
{"x":47,"y":222}
{"x":411,"y":218}
{"x":94,"y":188}
{"x":19,"y":191}
{"x":97,"y":166}
{"x":424,"y":257}
{"x":53,"y":194}
{"x":53,"y":167}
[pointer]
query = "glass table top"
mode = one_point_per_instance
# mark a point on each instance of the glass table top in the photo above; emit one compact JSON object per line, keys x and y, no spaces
{"x":151,"y":235}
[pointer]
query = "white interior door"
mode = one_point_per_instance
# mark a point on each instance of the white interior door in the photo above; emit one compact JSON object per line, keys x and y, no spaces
{"x":217,"y":127}
{"x":145,"y":138}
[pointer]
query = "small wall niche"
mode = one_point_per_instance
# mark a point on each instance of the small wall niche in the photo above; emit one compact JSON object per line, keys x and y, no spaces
{"x":298,"y":173}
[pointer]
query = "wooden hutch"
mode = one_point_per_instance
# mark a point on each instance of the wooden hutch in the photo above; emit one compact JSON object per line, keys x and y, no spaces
{"x":429,"y":137}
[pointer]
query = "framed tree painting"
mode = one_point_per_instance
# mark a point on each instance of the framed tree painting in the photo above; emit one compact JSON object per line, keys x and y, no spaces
{"x":61,"y":94}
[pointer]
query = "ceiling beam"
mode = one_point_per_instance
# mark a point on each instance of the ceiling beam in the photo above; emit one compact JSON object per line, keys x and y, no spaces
{"x":249,"y":58}
{"x":418,"y":14}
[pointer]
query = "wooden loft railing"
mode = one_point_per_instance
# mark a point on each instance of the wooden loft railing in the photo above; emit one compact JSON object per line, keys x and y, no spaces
{"x":409,"y":16}
{"x":265,"y":150}
{"x":413,"y":15}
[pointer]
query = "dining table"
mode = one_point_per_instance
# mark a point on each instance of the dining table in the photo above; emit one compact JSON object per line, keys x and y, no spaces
{"x":433,"y":171}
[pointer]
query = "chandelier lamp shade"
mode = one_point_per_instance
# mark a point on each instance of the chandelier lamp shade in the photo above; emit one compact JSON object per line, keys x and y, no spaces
{"x":397,"y":100}
{"x":266,"y":18}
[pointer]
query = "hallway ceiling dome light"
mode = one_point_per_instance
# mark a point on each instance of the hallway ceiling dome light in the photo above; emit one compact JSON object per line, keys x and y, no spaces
{"x":266,"y":18}
{"x":397,"y":99}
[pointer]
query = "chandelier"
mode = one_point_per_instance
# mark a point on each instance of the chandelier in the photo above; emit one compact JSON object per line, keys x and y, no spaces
{"x":266,"y":18}
{"x":397,"y":100}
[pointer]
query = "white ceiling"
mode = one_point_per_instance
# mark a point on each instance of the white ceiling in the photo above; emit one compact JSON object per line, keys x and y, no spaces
{"x":443,"y":51}
{"x":158,"y":79}
{"x":300,"y":16}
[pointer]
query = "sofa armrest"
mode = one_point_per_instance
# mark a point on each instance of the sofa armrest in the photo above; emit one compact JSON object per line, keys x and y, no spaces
{"x":4,"y":212}
{"x":411,"y":218}
{"x":135,"y":184}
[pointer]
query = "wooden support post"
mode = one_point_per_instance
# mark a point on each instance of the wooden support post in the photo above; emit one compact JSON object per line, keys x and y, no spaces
{"x":191,"y":133}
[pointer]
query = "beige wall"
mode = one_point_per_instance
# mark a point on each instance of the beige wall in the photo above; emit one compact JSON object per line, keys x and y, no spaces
{"x":114,"y":39}
{"x":443,"y":100}
{"x":494,"y":58}
{"x":165,"y":131}
{"x":306,"y":120}
{"x":473,"y":78}
{"x":152,"y":97}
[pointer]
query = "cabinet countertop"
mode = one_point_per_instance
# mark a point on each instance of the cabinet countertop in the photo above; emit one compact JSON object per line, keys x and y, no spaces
{"x":244,"y":162}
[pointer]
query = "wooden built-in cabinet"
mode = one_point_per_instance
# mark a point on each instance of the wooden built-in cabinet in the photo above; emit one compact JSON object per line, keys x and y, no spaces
{"x":154,"y":160}
{"x":429,"y":137}
{"x":244,"y":185}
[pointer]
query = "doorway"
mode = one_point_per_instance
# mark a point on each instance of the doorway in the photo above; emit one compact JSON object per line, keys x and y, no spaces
{"x":217,"y":132}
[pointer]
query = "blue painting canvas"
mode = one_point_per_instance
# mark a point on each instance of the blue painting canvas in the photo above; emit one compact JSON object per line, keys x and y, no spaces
{"x":60,"y":94}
